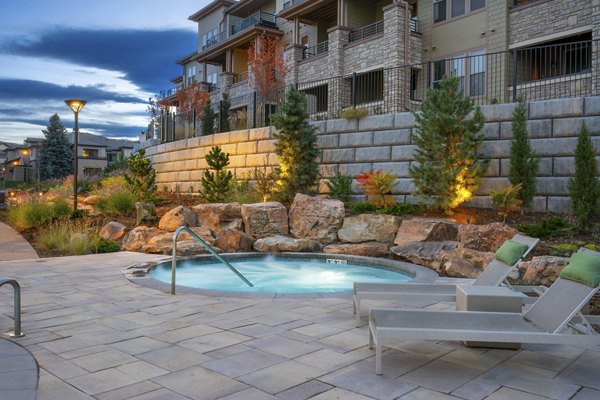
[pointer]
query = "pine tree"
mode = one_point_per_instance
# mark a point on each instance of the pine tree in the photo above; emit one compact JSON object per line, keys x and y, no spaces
{"x":224,"y":114}
{"x":208,"y":119}
{"x":523,"y":165}
{"x":447,"y":171}
{"x":216,"y":185}
{"x":584,"y":186}
{"x":296,"y":147}
{"x":142,"y":175}
{"x":55,"y":153}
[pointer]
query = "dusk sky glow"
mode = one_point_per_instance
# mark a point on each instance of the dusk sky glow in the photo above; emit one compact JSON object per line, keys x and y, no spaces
{"x":113,"y":53}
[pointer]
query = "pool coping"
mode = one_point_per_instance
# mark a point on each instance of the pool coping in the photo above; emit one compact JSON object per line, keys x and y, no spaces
{"x":138,"y":274}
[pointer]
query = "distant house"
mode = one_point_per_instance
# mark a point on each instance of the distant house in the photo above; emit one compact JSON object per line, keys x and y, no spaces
{"x":15,"y":159}
{"x":96,"y":152}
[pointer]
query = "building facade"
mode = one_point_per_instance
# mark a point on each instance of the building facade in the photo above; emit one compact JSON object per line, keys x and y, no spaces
{"x":382,"y":55}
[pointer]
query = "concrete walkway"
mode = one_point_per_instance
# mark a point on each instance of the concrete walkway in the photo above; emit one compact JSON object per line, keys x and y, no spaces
{"x":96,"y":335}
{"x":13,"y":246}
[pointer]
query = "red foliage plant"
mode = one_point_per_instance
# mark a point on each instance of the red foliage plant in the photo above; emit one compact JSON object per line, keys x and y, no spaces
{"x":377,"y":185}
{"x":266,"y":65}
{"x":193,"y":97}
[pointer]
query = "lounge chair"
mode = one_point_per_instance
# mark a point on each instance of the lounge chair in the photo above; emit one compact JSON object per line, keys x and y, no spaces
{"x":547,"y":321}
{"x":494,"y":275}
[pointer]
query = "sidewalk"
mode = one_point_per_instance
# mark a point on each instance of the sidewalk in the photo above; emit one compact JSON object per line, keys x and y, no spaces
{"x":13,"y":246}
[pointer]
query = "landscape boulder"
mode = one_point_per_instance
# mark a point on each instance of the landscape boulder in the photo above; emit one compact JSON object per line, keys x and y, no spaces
{"x":233,"y":241}
{"x":426,"y":230}
{"x":368,"y":249}
{"x":113,"y":231}
{"x":426,"y":254}
{"x":177,"y":217}
{"x":186,"y":244}
{"x":369,"y":228}
{"x":465,"y":263}
{"x":218,"y":216}
{"x":317,"y":218}
{"x":137,"y":239}
{"x":542,"y":270}
{"x":280,"y":243}
{"x":265,"y":219}
{"x":484,"y":237}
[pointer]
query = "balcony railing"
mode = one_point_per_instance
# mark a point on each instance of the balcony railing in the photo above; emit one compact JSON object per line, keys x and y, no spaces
{"x":291,"y":3}
{"x":258,"y":18}
{"x":315,"y":50}
{"x":366,"y":31}
{"x":414,"y":25}
{"x":241,"y":77}
{"x":214,"y":40}
{"x":167,"y":93}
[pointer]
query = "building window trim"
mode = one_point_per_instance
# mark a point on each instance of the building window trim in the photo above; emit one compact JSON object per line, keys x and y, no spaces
{"x":449,"y":18}
{"x":467,"y":57}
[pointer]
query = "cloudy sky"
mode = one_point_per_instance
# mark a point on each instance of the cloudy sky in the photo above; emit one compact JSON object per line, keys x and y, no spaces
{"x":113,"y":53}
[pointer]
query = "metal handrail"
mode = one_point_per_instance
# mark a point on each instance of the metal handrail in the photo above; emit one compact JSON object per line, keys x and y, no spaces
{"x":207,"y":247}
{"x":317,"y":49}
{"x":17,"y":306}
{"x":366,"y":31}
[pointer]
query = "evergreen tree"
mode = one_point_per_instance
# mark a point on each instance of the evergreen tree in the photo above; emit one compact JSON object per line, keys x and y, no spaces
{"x":584,"y":186}
{"x":208,"y":119}
{"x":523,"y":163}
{"x":447,"y":171}
{"x":296,"y":147}
{"x":55,"y":153}
{"x":142,"y":176}
{"x":216,"y":185}
{"x":224,"y":114}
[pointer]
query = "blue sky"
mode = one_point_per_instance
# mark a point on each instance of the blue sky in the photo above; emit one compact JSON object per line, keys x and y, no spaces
{"x":112,"y":53}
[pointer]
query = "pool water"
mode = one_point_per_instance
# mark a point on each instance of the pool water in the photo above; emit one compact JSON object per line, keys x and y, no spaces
{"x":276,"y":275}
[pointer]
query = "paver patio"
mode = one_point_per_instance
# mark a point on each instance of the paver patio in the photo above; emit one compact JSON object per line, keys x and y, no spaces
{"x":97,"y":335}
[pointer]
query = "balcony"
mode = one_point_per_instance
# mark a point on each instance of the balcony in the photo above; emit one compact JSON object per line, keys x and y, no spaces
{"x":258,"y":18}
{"x":215,"y":40}
{"x":167,"y":93}
{"x":315,"y":50}
{"x":414,"y":25}
{"x":366,"y":31}
{"x":244,"y":76}
{"x":291,"y":3}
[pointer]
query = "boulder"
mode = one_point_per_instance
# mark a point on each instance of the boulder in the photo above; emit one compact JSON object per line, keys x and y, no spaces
{"x":279,"y":243}
{"x":265,"y":219}
{"x":233,"y":240}
{"x":465,"y":263}
{"x":369,"y":228}
{"x":177,"y":217}
{"x":369,"y":249}
{"x":113,"y":231}
{"x":542,"y":270}
{"x":144,"y":211}
{"x":317,"y":218}
{"x":484,"y":237}
{"x":138,"y":237}
{"x":426,"y":230}
{"x":426,"y":254}
{"x":219,"y":216}
{"x":186,"y":245}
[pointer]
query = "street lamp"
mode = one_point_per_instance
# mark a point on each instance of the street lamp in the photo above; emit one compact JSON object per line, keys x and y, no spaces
{"x":76,"y":106}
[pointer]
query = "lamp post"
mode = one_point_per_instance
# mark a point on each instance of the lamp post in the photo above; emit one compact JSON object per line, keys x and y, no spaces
{"x":76,"y":106}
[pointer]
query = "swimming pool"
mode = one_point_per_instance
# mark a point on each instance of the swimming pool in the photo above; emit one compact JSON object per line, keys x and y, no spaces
{"x":315,"y":273}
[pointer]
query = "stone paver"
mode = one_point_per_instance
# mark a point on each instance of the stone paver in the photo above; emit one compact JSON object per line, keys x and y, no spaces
{"x":13,"y":246}
{"x":96,"y":335}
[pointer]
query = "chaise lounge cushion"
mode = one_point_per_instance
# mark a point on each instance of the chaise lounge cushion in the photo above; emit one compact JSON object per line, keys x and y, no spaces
{"x":583,"y":268}
{"x":510,"y":252}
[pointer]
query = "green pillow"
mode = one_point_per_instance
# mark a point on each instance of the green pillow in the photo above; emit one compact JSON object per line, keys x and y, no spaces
{"x":583,"y":268}
{"x":510,"y":252}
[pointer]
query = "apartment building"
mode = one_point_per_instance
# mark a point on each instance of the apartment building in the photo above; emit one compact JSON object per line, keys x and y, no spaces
{"x":384,"y":54}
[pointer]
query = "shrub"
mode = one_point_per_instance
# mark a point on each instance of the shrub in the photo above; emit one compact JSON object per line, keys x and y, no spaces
{"x":553,"y":226}
{"x":400,"y":209}
{"x":562,"y":248}
{"x":354,"y":113}
{"x":242,"y":192}
{"x":265,"y":181}
{"x":584,"y":187}
{"x":112,"y":184}
{"x":296,"y":147}
{"x":361,"y":208}
{"x":61,"y":208}
{"x":30,"y":215}
{"x":69,"y":237}
{"x":122,"y":203}
{"x":448,"y":136}
{"x":377,"y":185}
{"x":105,"y":246}
{"x":208,"y":119}
{"x":141,"y":176}
{"x":506,"y":200}
{"x":523,"y":165}
{"x":216,"y":185}
{"x":340,"y":186}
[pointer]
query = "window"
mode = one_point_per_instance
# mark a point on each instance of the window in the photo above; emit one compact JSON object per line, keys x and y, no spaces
{"x":213,"y":78}
{"x":206,"y":37}
{"x":439,"y":10}
{"x":477,"y":73}
{"x":369,"y":87}
{"x":457,"y":66}
{"x":317,"y":98}
{"x":414,"y":83}
{"x":458,"y":8}
{"x":89,"y":153}
{"x":477,"y":4}
{"x":439,"y":71}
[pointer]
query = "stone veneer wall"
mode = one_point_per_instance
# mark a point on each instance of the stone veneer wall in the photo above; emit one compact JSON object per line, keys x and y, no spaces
{"x":383,"y":142}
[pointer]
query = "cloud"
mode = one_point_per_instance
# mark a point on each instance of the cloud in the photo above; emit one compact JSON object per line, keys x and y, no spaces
{"x":146,"y":57}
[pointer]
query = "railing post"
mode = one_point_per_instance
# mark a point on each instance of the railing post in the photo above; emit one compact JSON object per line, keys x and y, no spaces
{"x":514,"y":77}
{"x":254,"y":110}
{"x":194,"y":120}
{"x":354,"y":89}
{"x":16,"y":306}
{"x":428,"y":74}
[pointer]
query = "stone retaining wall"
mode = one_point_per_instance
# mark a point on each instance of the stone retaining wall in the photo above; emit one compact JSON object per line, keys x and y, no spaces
{"x":383,"y":142}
